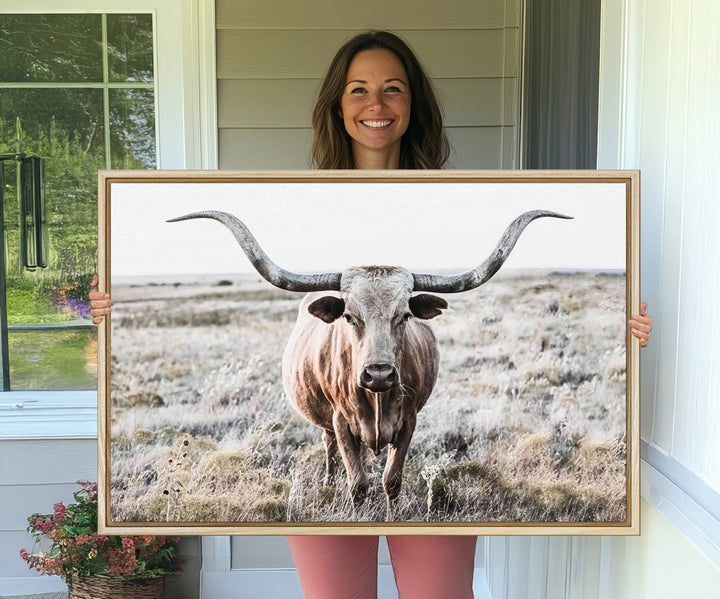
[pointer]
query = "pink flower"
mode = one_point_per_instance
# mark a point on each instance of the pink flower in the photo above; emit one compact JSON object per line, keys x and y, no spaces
{"x":121,"y":562}
{"x":82,"y":539}
{"x":59,"y":509}
{"x":128,"y":543}
{"x":24,"y":555}
{"x":44,"y":526}
{"x":53,"y":565}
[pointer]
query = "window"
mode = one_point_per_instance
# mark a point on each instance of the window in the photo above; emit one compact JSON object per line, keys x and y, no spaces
{"x":78,"y":91}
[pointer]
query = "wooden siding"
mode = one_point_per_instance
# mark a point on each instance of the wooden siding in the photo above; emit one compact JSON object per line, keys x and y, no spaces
{"x":264,"y":148}
{"x":270,"y":54}
{"x":396,"y":15}
{"x":271,"y":60}
{"x":471,"y":147}
{"x":287,"y":103}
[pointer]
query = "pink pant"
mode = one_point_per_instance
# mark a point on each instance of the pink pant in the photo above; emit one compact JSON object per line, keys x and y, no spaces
{"x":425,"y":567}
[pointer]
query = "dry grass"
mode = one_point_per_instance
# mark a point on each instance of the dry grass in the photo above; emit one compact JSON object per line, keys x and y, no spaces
{"x":527,"y":421}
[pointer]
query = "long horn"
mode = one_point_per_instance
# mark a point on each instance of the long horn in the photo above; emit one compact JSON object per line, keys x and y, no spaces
{"x":470,"y":279}
{"x":270,"y":271}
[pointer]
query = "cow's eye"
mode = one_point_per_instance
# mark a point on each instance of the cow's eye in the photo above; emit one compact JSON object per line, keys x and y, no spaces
{"x":407,"y":316}
{"x":349,"y":319}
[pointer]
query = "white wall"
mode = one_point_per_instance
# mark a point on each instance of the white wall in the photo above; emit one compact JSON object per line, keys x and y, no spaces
{"x":659,"y":564}
{"x":659,"y":103}
{"x":670,"y":129}
{"x":659,"y":90}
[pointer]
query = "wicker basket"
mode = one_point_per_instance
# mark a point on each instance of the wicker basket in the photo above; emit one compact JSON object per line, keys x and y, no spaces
{"x":116,"y":587}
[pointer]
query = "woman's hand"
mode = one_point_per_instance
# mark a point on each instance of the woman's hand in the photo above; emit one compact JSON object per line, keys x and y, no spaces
{"x":100,"y":303}
{"x":641,"y":325}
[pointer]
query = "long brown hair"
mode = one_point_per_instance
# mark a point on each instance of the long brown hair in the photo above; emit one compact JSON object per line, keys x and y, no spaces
{"x":424,"y":144}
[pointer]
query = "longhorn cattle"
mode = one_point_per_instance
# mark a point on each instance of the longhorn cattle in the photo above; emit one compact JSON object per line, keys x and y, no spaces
{"x":362,"y":361}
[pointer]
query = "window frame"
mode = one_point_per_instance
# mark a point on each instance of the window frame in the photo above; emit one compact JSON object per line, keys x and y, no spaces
{"x":185,"y":94}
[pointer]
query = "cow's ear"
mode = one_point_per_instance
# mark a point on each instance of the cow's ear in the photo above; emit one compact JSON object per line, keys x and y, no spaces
{"x":427,"y":306}
{"x":327,"y":308}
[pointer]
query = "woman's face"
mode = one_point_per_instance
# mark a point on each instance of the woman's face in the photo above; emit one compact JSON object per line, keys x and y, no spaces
{"x":375,"y":105}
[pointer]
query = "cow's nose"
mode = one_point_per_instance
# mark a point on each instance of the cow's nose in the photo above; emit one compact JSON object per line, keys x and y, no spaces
{"x":379,"y":377}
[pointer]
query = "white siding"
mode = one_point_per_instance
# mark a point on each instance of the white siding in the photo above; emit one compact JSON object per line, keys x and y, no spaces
{"x":672,"y":133}
{"x":697,"y":423}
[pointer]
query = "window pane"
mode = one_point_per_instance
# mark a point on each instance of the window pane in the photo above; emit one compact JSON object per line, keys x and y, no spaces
{"x":55,"y":359}
{"x":130,"y":47}
{"x":51,"y":118}
{"x":132,"y":128}
{"x":65,"y":127}
{"x":50,"y":48}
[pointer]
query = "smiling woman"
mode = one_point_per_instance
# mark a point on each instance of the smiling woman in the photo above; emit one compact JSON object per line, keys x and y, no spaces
{"x":364,"y":106}
{"x":375,"y":108}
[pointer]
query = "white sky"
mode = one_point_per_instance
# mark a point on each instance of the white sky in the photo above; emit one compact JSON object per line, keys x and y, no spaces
{"x":308,"y":227}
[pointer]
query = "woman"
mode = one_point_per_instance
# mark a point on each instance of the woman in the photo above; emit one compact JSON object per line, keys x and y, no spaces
{"x":377,"y":110}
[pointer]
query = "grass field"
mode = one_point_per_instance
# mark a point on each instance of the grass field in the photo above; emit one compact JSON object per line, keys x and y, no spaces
{"x":527,"y":421}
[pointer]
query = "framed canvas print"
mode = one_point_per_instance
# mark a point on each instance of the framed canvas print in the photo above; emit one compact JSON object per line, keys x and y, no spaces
{"x":369,"y":352}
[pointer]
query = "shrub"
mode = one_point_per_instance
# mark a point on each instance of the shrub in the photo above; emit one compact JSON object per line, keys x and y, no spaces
{"x":77,"y":550}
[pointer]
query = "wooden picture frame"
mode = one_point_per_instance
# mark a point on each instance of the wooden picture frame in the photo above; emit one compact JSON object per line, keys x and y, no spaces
{"x":532,"y":426}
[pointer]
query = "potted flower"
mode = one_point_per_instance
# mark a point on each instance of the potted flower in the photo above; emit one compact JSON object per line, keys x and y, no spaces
{"x":98,"y":566}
